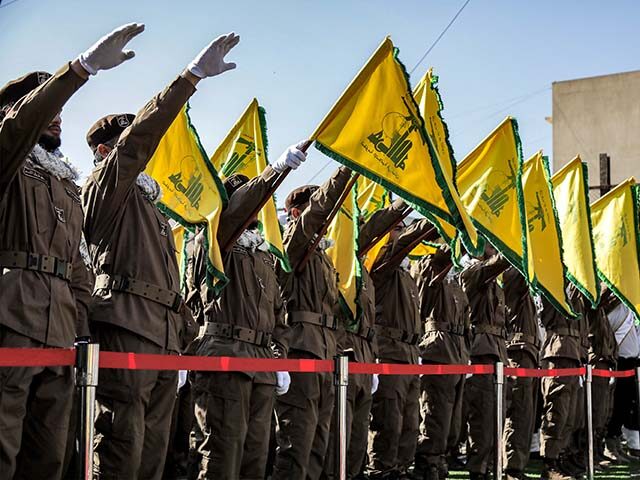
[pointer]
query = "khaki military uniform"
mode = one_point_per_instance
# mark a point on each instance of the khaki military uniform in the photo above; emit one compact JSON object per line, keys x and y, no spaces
{"x":311,"y":296}
{"x":444,"y":310}
{"x":565,"y":346}
{"x":395,"y":410}
{"x":523,"y":348}
{"x":486,"y":300}
{"x":44,"y":286}
{"x":233,"y":409}
{"x":130,"y":240}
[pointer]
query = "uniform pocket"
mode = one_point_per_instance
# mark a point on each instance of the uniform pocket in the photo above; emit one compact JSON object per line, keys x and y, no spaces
{"x":43,"y":208}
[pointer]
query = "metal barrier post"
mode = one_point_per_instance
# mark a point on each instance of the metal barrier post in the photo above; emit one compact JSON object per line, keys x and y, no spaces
{"x":499,"y":418}
{"x":589,"y":392}
{"x":86,"y":379}
{"x":341,"y":381}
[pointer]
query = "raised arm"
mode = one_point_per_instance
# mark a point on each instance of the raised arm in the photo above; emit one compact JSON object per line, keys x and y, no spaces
{"x":390,"y":259}
{"x":381,"y":221}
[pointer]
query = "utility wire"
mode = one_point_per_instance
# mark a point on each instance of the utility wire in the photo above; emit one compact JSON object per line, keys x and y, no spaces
{"x":439,"y":36}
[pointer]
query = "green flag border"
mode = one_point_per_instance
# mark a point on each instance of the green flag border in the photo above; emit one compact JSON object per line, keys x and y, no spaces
{"x":536,"y":285}
{"x":212,"y":272}
{"x":635,"y":194}
{"x":454,"y":164}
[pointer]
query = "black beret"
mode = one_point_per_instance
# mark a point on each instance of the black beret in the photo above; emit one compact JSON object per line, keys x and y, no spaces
{"x":18,"y":88}
{"x":108,"y":128}
{"x":234,"y":182}
{"x":299,"y":196}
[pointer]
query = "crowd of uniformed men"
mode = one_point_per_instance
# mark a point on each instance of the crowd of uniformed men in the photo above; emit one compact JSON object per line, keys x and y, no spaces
{"x":121,"y":288}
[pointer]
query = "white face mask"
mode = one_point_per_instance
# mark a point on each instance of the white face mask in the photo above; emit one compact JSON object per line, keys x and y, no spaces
{"x":253,"y":240}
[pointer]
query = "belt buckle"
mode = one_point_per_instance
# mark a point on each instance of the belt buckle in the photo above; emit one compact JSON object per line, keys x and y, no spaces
{"x":34,"y":261}
{"x":178,"y":304}
{"x":123,"y":284}
{"x":60,"y":268}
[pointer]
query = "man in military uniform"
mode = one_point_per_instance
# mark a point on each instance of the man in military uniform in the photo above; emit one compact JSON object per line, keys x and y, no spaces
{"x":395,"y":410}
{"x":562,"y":348}
{"x":133,"y":254}
{"x":311,"y":295}
{"x":233,"y":409}
{"x":486,"y":300}
{"x":44,"y":286}
{"x":523,"y":348}
{"x":603,"y":355}
{"x":444,"y":310}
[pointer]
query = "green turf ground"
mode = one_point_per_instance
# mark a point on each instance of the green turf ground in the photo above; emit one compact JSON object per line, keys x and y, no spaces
{"x":616,"y":472}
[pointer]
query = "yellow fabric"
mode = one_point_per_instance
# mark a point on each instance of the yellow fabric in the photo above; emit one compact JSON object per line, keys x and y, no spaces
{"x":572,"y":204}
{"x":243,"y":151}
{"x":343,"y":231}
{"x":191,"y":191}
{"x":615,"y":235}
{"x":490,"y":188}
{"x":544,"y":243}
{"x":430,"y":105}
{"x":375,"y":128}
{"x":178,"y":239}
{"x":422,"y":250}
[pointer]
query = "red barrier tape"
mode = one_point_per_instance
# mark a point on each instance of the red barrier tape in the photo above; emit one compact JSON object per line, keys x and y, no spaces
{"x":37,"y":357}
{"x":53,"y":357}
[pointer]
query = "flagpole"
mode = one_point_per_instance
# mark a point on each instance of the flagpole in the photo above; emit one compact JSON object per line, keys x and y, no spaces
{"x":430,"y":234}
{"x":373,"y":242}
{"x":326,"y":224}
{"x":276,"y":184}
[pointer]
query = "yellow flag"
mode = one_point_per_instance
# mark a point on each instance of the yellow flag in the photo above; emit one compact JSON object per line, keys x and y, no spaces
{"x":430,"y":103}
{"x":423,"y":249}
{"x":191,"y":190}
{"x":571,"y":193}
{"x":179,"y":237}
{"x":343,"y":232}
{"x":489,"y":182}
{"x":244,"y":151}
{"x":617,"y":246}
{"x":375,"y":128}
{"x":544,"y":241}
{"x":371,"y":197}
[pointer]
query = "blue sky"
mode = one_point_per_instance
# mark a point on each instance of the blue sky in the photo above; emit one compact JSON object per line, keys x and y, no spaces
{"x":499,"y":58}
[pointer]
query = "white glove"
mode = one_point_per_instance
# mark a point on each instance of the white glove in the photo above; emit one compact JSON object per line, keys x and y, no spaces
{"x":283,"y":380}
{"x":108,"y":52}
{"x":210,"y":61}
{"x":375,"y":381}
{"x":292,"y":157}
{"x":182,"y":378}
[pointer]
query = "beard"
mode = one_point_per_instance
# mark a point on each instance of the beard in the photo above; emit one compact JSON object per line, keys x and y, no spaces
{"x":49,"y":142}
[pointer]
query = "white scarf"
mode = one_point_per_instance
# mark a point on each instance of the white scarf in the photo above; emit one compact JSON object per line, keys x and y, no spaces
{"x":149,"y":187}
{"x":55,"y":163}
{"x":253,"y":240}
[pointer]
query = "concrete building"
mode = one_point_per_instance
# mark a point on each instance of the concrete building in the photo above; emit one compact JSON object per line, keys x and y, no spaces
{"x":598,"y":115}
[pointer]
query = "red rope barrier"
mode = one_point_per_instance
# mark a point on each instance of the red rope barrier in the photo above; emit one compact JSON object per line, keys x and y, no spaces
{"x":53,"y":357}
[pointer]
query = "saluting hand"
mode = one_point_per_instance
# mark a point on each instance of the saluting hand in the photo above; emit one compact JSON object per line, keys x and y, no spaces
{"x":108,"y":52}
{"x":210,"y":61}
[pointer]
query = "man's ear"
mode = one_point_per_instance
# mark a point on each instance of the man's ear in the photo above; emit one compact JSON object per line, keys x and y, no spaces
{"x":104,"y":150}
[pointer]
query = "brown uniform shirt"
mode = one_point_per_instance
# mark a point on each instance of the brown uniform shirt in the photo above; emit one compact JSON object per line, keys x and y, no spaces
{"x":603,"y":345}
{"x":313,"y":292}
{"x":486,"y":300}
{"x":522,"y":321}
{"x":444,"y":310}
{"x":566,"y":337}
{"x":40,"y":214}
{"x":252,"y":297}
{"x":397,"y":295}
{"x":127,"y":234}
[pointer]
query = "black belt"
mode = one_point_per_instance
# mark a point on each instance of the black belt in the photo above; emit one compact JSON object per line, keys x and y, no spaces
{"x":366,"y":332}
{"x":320,"y":319}
{"x":522,"y":337}
{"x":120,"y":283}
{"x":234,"y":332}
{"x":566,"y":331}
{"x":37,"y":262}
{"x":491,"y":330}
{"x":398,"y":334}
{"x":433,"y":326}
